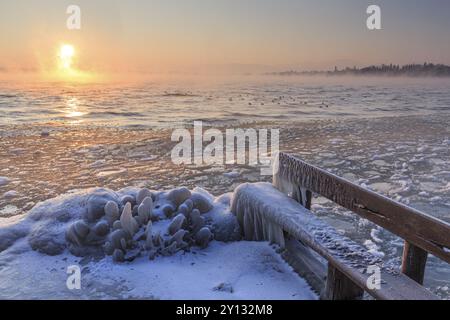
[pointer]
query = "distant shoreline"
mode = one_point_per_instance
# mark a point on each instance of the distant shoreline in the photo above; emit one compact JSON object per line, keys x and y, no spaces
{"x":426,"y":70}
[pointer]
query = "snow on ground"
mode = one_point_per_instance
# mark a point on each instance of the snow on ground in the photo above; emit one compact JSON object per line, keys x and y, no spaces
{"x":239,"y":270}
{"x":223,"y":270}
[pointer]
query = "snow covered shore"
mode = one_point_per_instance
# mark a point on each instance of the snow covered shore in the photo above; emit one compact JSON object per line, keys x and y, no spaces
{"x":36,"y":250}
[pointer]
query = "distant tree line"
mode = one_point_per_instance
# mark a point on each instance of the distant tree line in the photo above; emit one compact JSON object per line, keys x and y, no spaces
{"x":409,"y":70}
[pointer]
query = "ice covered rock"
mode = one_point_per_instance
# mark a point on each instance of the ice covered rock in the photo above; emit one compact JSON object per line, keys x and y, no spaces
{"x":168,"y":209}
{"x":203,"y":237}
{"x":176,"y":223}
{"x":87,"y":223}
{"x":112,"y":213}
{"x":189,"y":204}
{"x":145,"y":210}
{"x":194,"y":214}
{"x":83,"y":239}
{"x":202,"y":203}
{"x":157,"y":239}
{"x":48,"y":221}
{"x":178,"y":237}
{"x":142,"y":194}
{"x":179,"y":195}
{"x":108,"y":248}
{"x":127,"y":220}
{"x":117,"y":225}
{"x":128,"y":199}
{"x":101,"y":229}
{"x":96,"y":204}
{"x":45,"y":225}
{"x":224,"y":224}
{"x":134,"y":211}
{"x":77,"y":232}
{"x":8,"y":236}
{"x":226,"y":227}
{"x":47,"y":239}
{"x":197,"y":221}
{"x":184,"y":209}
{"x":118,"y":239}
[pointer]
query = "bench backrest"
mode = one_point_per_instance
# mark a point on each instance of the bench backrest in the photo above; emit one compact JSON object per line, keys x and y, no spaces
{"x":267,"y":214}
{"x":422,"y":233}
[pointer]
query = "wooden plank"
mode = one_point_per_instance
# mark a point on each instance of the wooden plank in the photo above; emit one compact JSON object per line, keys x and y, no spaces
{"x":340,"y":287}
{"x":341,"y":252}
{"x":414,"y":262}
{"x":306,"y":264}
{"x":420,"y":229}
{"x":397,"y":286}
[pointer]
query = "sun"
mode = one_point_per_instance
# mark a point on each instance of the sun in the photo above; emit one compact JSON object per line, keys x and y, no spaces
{"x":66,"y":55}
{"x":67,"y":67}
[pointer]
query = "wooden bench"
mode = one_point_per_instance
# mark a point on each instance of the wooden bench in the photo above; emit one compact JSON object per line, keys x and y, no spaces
{"x":265,"y":212}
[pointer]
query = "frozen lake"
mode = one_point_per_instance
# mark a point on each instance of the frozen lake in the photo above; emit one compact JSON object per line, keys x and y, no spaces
{"x":226,"y":101}
{"x":388,"y":135}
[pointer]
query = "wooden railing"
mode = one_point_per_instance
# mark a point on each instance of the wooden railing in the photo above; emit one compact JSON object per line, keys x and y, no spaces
{"x":422,"y":233}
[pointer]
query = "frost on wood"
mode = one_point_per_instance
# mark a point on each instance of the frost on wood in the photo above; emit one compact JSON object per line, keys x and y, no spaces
{"x":254,"y":215}
{"x":264,"y":212}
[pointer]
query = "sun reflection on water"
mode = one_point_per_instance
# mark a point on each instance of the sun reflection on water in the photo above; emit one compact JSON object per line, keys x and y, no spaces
{"x":73,"y":110}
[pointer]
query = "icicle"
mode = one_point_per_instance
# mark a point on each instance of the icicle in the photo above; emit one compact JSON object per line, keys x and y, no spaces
{"x":252,"y":214}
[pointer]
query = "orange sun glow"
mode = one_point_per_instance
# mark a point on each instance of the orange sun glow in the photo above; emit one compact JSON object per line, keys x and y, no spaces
{"x":66,"y":56}
{"x":68,"y":69}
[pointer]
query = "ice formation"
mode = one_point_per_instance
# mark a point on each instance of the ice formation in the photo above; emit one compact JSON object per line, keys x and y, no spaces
{"x":261,"y":209}
{"x":84,"y":228}
{"x":251,"y":217}
{"x":124,"y":224}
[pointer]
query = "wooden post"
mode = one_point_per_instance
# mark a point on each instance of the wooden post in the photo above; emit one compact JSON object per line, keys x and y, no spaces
{"x":340,"y":287}
{"x":414,"y":262}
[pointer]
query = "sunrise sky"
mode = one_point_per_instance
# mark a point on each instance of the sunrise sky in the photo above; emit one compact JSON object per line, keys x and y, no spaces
{"x":249,"y":35}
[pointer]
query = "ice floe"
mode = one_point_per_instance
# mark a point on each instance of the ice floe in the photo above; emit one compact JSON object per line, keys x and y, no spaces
{"x":4,"y":181}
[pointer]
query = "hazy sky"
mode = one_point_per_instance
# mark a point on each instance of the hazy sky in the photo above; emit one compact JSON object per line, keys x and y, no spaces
{"x":171,"y":35}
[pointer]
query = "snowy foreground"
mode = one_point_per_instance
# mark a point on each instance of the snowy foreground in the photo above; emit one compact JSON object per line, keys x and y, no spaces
{"x":163,"y":255}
